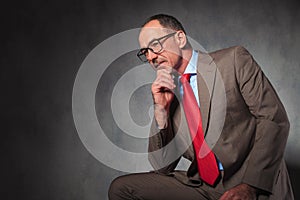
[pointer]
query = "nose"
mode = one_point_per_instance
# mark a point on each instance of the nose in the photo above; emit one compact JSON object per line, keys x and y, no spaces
{"x":151,"y":56}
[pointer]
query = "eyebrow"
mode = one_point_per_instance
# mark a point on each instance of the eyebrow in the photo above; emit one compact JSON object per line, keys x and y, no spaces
{"x":152,"y":41}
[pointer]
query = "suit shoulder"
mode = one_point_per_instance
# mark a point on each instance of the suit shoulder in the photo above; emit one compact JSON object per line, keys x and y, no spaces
{"x":229,"y":50}
{"x":230,"y":54}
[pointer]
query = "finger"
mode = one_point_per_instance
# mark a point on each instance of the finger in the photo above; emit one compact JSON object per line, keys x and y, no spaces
{"x":163,"y":79}
{"x":162,"y":86}
{"x":165,"y":73}
{"x":166,"y":68}
{"x":223,"y":197}
{"x":226,"y":196}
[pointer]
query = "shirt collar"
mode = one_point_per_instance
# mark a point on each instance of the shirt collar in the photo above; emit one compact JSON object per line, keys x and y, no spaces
{"x":191,"y":68}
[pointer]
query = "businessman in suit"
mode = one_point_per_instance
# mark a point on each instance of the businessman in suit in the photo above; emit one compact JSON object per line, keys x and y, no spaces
{"x":244,"y":124}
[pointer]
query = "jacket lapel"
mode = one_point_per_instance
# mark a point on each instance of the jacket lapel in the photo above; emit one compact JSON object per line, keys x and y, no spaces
{"x":205,"y":81}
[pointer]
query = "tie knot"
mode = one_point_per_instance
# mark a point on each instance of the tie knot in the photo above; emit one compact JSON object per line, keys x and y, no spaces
{"x":185,"y":78}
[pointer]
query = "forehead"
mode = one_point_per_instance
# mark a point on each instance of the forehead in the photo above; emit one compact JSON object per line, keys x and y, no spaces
{"x":152,"y":30}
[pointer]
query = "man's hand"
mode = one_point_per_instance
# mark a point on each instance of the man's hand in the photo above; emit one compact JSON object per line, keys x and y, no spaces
{"x":162,"y":92}
{"x":240,"y":192}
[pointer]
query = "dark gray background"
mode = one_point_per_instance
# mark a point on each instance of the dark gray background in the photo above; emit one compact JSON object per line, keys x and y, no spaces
{"x":45,"y":42}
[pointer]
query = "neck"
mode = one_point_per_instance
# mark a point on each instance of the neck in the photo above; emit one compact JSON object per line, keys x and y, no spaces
{"x":186,"y":57}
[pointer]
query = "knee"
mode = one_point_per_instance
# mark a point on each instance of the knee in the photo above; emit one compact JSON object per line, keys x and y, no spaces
{"x":130,"y":186}
{"x":118,"y":189}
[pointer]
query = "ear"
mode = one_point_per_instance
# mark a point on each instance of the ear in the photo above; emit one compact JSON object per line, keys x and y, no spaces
{"x":181,"y":39}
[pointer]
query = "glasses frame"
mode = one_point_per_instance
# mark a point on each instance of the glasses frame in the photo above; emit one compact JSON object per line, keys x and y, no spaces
{"x":143,"y":51}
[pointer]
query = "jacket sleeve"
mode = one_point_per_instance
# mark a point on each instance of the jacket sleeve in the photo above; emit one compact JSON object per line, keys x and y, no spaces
{"x":163,"y":154}
{"x":272,"y":125}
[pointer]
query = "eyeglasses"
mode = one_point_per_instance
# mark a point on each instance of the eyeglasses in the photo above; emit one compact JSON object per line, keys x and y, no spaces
{"x":155,"y":46}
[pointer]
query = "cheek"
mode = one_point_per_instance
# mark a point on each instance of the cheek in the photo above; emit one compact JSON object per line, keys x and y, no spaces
{"x":174,"y":58}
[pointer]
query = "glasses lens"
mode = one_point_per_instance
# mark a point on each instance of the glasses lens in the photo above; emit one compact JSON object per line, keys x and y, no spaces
{"x":142,"y":54}
{"x":155,"y":46}
{"x":143,"y":58}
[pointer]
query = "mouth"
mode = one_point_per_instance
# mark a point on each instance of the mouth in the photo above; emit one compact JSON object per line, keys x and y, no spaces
{"x":159,"y":64}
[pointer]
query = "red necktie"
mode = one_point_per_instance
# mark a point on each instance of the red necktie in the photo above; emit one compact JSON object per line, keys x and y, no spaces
{"x":206,"y":161}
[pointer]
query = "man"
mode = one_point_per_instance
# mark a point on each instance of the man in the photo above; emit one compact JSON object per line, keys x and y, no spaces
{"x":243,"y":159}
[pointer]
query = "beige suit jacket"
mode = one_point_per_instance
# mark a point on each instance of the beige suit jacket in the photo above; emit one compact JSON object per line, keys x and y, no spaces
{"x":244,"y":123}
